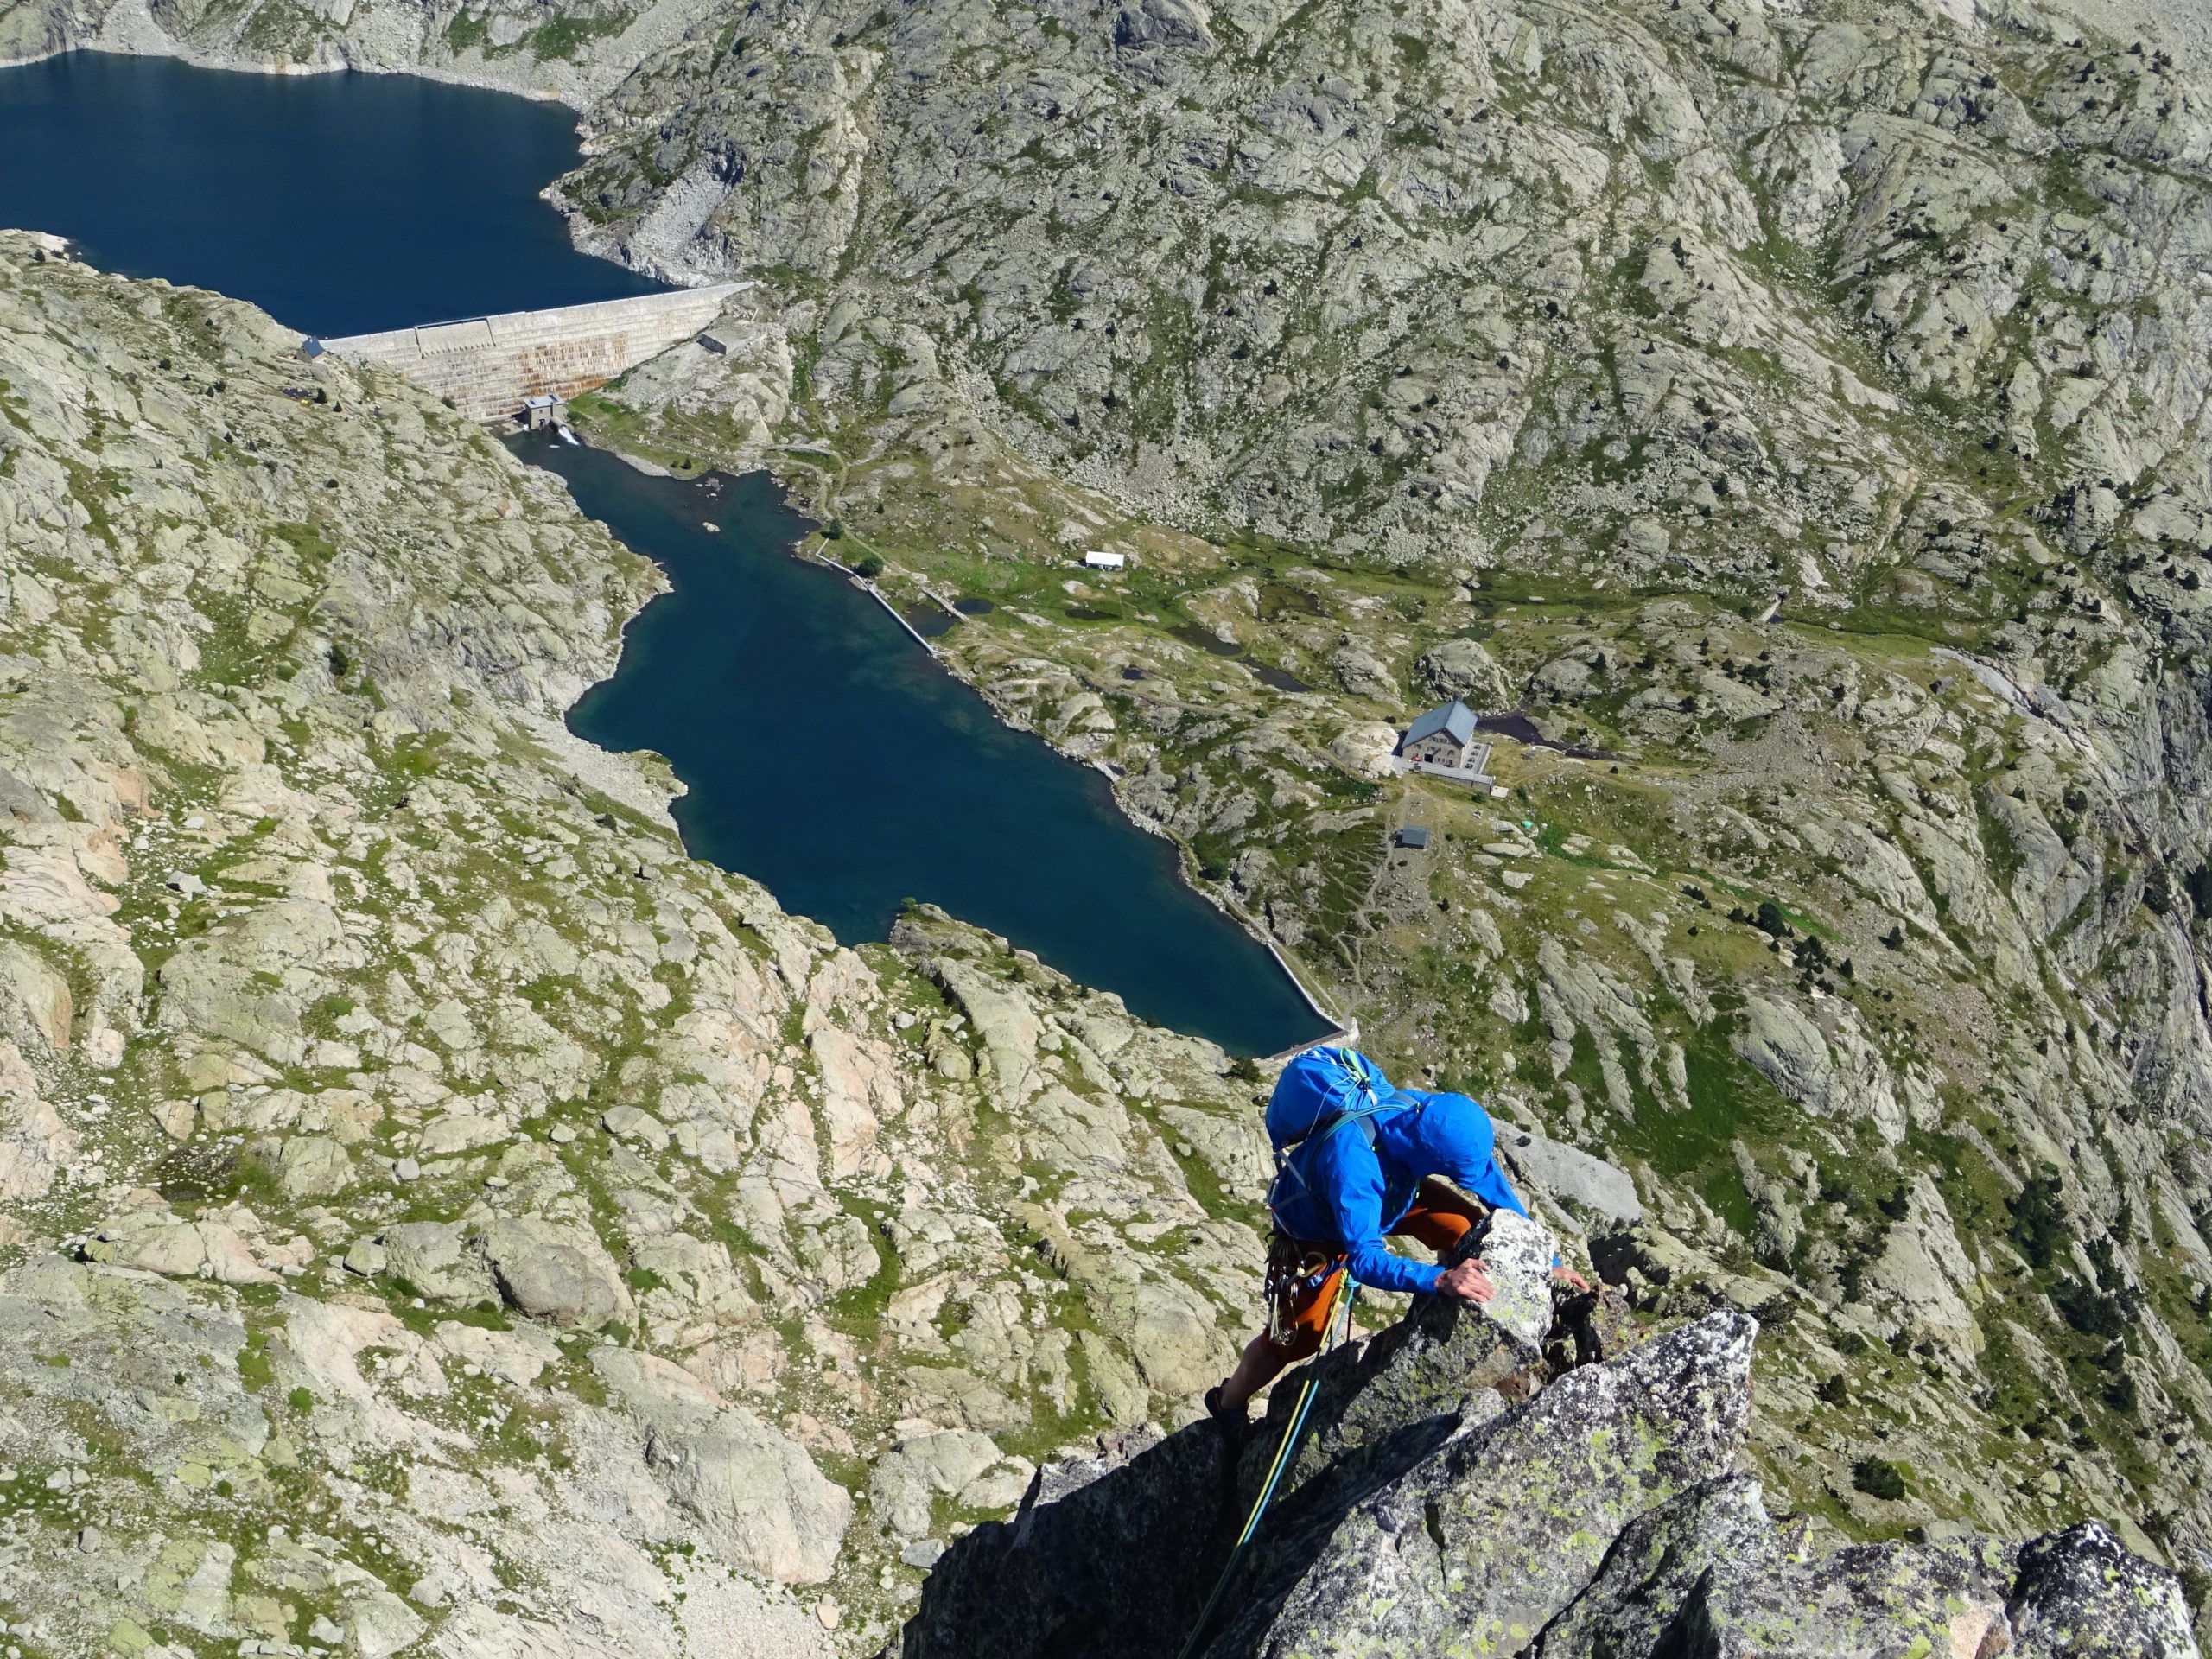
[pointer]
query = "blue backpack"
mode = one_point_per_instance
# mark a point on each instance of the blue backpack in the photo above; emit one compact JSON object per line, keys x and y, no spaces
{"x":1320,"y":1091}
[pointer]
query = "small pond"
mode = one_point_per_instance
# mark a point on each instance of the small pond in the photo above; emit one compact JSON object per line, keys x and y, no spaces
{"x":1206,"y":640}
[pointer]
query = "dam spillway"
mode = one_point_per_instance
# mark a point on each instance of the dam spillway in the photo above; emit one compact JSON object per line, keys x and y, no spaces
{"x":486,"y":366}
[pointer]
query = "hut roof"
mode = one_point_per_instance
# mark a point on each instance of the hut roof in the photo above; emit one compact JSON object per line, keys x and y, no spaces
{"x":1455,"y":719}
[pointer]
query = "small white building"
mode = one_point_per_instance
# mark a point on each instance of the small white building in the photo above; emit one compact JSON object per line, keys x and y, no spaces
{"x":544,"y":409}
{"x":1097,"y":561}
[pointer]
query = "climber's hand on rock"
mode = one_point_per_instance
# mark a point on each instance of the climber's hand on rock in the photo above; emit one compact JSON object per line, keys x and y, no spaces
{"x":1469,"y":1281}
{"x":1570,"y":1278}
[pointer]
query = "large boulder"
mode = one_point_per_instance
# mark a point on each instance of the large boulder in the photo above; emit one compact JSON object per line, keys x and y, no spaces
{"x":159,"y":1240}
{"x":753,"y":1497}
{"x":36,"y":1009}
{"x":1462,"y":668}
{"x":1656,"y":1564}
{"x":1787,"y":1048}
{"x":1182,"y":24}
{"x":435,"y":1260}
{"x":378,"y":1624}
{"x":1362,"y":673}
{"x":1569,"y":1172}
{"x":1365,"y":750}
{"x":2081,"y":1594}
{"x":555,"y":1272}
{"x":1005,"y":1022}
{"x":35,"y":1143}
{"x":759,"y":1502}
{"x":312,"y":1165}
{"x":1707,"y":1573}
{"x":908,"y":1480}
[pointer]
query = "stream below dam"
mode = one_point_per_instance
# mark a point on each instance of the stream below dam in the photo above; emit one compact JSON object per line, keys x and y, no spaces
{"x":825,"y":754}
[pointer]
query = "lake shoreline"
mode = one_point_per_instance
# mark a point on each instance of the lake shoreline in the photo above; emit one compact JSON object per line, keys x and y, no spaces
{"x":799,"y":484}
{"x":125,"y":43}
{"x":1342,"y":1029}
{"x":804,"y":484}
{"x":968,"y":805}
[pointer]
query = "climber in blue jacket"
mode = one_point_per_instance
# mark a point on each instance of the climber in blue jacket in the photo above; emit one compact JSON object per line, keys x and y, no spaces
{"x":1363,"y":1181}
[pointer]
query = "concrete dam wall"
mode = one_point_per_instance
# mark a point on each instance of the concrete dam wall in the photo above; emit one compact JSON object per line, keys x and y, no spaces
{"x":487,"y":365}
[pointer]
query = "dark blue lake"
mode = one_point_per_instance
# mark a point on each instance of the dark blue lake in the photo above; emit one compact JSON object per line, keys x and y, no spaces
{"x":338,"y":204}
{"x":826,"y":754}
{"x":830,"y":758}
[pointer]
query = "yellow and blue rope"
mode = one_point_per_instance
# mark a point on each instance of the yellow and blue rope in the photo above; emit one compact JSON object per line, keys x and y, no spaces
{"x":1346,"y":1291}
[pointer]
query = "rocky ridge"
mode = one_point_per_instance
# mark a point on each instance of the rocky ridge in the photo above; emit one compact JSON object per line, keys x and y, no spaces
{"x":1455,"y":1497}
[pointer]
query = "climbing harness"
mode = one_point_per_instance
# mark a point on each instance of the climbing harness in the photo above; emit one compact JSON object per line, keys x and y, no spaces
{"x":1295,"y":1268}
{"x":1285,"y":1454}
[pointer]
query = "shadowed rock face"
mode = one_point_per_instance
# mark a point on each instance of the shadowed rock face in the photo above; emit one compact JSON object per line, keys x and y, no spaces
{"x":1100,"y":1559}
{"x":2080,"y":1593}
{"x":1599,"y":1517}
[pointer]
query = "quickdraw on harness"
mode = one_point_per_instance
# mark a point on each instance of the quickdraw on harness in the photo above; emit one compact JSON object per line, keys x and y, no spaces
{"x":1294,"y":1264}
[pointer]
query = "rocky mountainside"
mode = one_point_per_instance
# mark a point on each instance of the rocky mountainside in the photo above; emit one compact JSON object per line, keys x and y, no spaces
{"x":1448,"y":1499}
{"x":435,"y":1212}
{"x":1792,"y":415}
{"x":570,"y":51}
{"x":1794,"y":410}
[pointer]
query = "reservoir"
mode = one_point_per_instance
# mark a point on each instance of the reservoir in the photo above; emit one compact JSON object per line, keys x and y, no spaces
{"x":826,"y":753}
{"x":338,"y":204}
{"x":832,"y":759}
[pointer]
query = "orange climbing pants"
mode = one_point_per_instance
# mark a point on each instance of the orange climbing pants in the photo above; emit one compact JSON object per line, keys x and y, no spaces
{"x":1304,"y":1278}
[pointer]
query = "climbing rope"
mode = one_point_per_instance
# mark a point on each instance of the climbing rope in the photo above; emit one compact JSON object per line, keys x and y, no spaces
{"x":1346,"y":1291}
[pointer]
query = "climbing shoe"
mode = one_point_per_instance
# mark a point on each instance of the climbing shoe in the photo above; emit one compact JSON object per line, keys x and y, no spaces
{"x":1218,"y":1409}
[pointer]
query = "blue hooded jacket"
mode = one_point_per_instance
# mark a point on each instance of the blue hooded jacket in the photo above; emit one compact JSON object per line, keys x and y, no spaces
{"x":1353,"y":1192}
